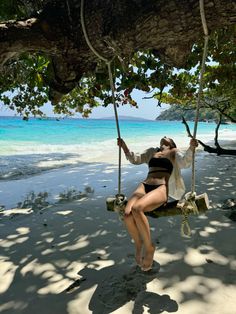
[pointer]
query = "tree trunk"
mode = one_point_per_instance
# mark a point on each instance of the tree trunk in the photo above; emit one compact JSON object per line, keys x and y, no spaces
{"x":213,"y":150}
{"x":172,"y":27}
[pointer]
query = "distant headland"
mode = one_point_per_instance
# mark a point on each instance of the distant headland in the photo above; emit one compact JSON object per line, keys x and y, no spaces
{"x":128,"y":118}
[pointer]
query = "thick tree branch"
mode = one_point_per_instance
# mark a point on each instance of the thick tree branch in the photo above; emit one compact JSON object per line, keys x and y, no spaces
{"x":172,"y":27}
{"x":37,"y":35}
{"x":17,"y":37}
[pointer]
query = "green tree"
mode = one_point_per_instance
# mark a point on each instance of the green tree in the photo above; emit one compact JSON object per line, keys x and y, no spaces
{"x":43,"y":55}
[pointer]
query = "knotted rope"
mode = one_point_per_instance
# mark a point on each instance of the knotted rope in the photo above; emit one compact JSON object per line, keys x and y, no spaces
{"x":190,"y":197}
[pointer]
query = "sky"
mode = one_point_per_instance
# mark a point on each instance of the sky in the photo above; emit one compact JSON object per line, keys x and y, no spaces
{"x":148,"y":109}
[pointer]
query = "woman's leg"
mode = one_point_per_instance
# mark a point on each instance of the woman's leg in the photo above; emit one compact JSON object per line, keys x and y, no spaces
{"x":148,"y":202}
{"x":134,"y":233}
{"x":131,"y":224}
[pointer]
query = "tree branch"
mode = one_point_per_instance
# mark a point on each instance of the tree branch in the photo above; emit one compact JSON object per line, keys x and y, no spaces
{"x":215,"y":106}
{"x":17,"y":37}
{"x":173,"y":27}
{"x":34,"y":35}
{"x":218,"y":150}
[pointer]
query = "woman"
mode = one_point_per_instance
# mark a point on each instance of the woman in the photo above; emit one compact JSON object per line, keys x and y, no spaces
{"x":164,"y":179}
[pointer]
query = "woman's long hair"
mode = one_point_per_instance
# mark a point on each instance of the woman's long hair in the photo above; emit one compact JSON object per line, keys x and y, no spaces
{"x":172,"y":143}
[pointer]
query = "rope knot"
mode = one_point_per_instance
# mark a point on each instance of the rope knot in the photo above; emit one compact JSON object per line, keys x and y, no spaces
{"x":119,"y":204}
{"x":190,"y":204}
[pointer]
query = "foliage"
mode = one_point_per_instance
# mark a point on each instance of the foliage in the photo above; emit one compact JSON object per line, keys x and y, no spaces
{"x":19,"y":9}
{"x":27,"y":78}
{"x":177,"y":112}
{"x":24,"y":78}
{"x":219,"y":78}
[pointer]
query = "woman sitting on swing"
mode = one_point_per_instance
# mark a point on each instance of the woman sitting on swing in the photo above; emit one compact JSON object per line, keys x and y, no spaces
{"x":164,"y":179}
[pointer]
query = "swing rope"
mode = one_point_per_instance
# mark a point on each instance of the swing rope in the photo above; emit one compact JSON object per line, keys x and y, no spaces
{"x":190,"y":197}
{"x":112,"y":86}
{"x":201,"y":83}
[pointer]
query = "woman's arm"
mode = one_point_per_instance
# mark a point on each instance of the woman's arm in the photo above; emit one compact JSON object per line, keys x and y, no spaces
{"x":135,"y":159}
{"x":122,"y":144}
{"x":185,"y":160}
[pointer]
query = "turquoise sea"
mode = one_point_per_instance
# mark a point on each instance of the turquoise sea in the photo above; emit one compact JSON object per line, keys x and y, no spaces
{"x":29,"y":147}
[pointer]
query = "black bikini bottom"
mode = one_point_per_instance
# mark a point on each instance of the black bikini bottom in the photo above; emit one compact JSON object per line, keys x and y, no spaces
{"x":150,"y":187}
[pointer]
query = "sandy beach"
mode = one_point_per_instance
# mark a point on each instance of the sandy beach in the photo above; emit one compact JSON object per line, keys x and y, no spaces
{"x":76,"y":257}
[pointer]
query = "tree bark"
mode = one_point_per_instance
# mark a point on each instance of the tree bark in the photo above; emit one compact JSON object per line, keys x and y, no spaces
{"x":172,"y":28}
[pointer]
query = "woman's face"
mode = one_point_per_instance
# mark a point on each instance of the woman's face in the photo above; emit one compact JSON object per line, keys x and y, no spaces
{"x":165,"y":142}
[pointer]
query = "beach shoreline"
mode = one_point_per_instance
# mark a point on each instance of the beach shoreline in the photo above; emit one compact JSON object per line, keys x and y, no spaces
{"x":35,"y":147}
{"x":74,"y":175}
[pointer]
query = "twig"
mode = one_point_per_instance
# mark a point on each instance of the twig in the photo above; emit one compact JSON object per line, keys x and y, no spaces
{"x":149,"y":97}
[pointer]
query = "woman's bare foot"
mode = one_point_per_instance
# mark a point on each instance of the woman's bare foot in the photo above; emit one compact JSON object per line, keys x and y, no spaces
{"x":148,"y":259}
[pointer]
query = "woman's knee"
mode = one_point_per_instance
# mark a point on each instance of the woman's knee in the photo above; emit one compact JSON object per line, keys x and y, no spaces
{"x":137,"y":208}
{"x":128,"y":218}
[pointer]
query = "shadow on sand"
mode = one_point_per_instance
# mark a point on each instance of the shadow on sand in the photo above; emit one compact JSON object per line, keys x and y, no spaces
{"x":76,"y":258}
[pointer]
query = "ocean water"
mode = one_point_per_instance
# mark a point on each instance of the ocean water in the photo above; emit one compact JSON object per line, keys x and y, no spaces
{"x":30,"y":147}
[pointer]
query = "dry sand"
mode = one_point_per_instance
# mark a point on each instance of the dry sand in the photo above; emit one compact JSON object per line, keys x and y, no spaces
{"x":83,"y":248}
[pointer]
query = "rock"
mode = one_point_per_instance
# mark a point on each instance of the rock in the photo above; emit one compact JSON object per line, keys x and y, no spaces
{"x":229,"y":204}
{"x":232,"y":215}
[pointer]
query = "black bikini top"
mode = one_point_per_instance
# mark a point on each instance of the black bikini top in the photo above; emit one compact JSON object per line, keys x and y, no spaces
{"x":161,"y":162}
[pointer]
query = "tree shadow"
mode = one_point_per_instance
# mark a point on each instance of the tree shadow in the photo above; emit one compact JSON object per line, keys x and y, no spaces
{"x":117,"y":285}
{"x":41,"y":261}
{"x":82,"y":244}
{"x":155,"y":303}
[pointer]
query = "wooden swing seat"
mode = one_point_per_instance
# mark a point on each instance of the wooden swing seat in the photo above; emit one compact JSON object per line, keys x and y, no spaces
{"x":172,"y":208}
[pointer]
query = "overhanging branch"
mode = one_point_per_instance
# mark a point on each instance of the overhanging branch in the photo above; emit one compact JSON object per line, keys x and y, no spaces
{"x":173,"y":27}
{"x":17,"y":37}
{"x":35,"y":35}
